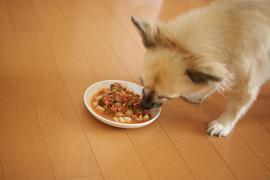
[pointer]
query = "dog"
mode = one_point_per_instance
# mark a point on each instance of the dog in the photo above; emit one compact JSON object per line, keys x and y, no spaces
{"x":222,"y":46}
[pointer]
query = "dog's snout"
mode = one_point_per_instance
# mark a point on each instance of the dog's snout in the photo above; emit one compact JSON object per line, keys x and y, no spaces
{"x":147,"y":105}
{"x":148,"y":100}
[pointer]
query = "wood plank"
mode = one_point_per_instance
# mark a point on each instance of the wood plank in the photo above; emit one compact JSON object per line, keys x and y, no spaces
{"x":60,"y":48}
{"x":66,"y":142}
{"x":123,"y":12}
{"x":149,"y":9}
{"x":159,"y":154}
{"x":22,"y":14}
{"x":261,"y":112}
{"x":92,"y":41}
{"x":233,"y":149}
{"x":192,"y":143}
{"x":1,"y":172}
{"x":249,"y":123}
{"x":163,"y":10}
{"x":22,"y":150}
{"x":264,"y":157}
{"x":111,"y":146}
{"x":170,"y":8}
{"x":68,"y":148}
{"x":257,"y":138}
{"x":87,"y":178}
{"x":243,"y":162}
{"x":264,"y":94}
{"x":251,"y":130}
{"x":117,"y":37}
{"x":156,"y":138}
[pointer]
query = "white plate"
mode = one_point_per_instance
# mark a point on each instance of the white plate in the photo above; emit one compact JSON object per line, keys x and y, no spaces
{"x":94,"y":88}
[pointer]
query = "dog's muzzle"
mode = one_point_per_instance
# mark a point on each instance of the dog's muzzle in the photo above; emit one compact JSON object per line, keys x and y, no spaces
{"x":147,"y":105}
{"x":150,"y":105}
{"x":148,"y":101}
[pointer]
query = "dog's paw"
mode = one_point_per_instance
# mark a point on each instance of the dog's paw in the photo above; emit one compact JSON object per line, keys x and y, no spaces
{"x":219,"y":128}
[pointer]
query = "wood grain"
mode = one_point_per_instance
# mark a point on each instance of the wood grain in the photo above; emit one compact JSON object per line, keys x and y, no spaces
{"x":75,"y":68}
{"x":51,"y":51}
{"x":22,"y":149}
{"x":87,"y":178}
{"x":66,"y":142}
{"x":117,"y":38}
{"x":199,"y":154}
{"x":254,"y":134}
{"x":1,"y":172}
{"x":233,"y":149}
{"x":260,"y":110}
{"x":169,"y":154}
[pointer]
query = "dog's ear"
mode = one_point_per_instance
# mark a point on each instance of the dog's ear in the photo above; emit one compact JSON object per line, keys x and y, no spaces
{"x":205,"y":73}
{"x":148,"y":32}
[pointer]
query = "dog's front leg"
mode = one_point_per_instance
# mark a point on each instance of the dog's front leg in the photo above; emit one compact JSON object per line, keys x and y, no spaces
{"x":238,"y":103}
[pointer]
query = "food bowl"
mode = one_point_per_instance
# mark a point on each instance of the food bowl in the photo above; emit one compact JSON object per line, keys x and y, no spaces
{"x":94,"y":88}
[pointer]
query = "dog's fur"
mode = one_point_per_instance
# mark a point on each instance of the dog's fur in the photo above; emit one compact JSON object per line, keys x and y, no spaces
{"x":225,"y":45}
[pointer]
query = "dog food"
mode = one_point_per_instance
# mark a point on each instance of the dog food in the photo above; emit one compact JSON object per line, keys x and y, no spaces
{"x":119,"y":104}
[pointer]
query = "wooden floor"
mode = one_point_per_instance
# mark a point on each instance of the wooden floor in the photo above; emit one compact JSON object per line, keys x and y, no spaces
{"x":52,"y":50}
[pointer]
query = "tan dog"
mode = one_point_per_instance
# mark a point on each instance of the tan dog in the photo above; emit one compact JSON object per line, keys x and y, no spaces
{"x":220,"y":46}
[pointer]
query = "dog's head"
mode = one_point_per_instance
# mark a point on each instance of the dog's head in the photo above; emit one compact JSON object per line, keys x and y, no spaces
{"x":170,"y":70}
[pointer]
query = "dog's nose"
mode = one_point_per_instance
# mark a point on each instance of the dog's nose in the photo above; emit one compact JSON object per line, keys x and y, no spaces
{"x":147,"y":105}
